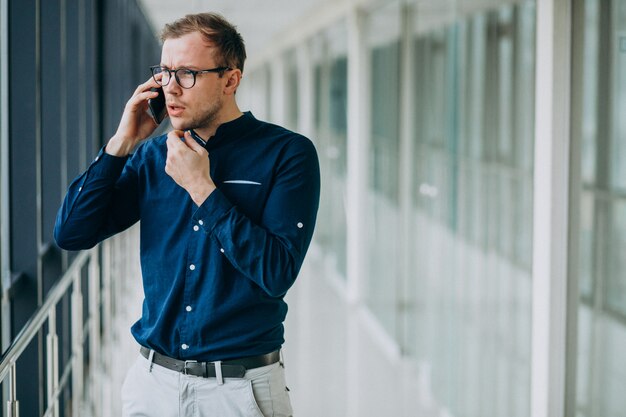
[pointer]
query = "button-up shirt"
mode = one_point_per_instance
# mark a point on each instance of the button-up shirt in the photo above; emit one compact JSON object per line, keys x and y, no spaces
{"x":214,"y":275}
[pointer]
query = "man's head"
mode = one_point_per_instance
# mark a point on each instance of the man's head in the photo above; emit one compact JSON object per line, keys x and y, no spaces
{"x":198,"y":43}
{"x":216,"y":31}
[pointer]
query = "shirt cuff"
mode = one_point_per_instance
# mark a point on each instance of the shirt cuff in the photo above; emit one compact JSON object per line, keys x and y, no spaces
{"x":108,"y":166}
{"x":212,"y":210}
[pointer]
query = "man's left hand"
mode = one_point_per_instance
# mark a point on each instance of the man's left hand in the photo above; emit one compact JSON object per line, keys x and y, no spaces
{"x":188,"y":164}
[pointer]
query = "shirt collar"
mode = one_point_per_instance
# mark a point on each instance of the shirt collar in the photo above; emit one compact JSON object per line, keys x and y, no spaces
{"x":235,"y":128}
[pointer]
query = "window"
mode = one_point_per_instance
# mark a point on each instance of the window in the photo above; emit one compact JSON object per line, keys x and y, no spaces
{"x":292,"y":96}
{"x":469,"y":314}
{"x":599,"y":131}
{"x":330,"y":78}
{"x":383,"y":214}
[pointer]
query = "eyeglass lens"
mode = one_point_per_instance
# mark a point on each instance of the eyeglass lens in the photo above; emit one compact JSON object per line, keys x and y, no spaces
{"x":184,"y":77}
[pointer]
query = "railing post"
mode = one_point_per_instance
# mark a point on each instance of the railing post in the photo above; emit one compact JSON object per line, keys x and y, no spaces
{"x":77,"y":344}
{"x":52,"y":362}
{"x":107,"y":398}
{"x":13,"y":406}
{"x":95,"y":353}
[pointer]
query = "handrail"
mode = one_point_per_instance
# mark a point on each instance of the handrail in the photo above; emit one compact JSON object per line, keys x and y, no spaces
{"x":94,"y":330}
{"x":35,"y":323}
{"x":47,"y":313}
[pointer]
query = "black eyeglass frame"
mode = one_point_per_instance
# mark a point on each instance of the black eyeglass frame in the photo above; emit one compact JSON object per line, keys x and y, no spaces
{"x":220,"y":70}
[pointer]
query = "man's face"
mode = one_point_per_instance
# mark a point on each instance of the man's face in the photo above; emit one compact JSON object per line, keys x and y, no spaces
{"x":197,"y":107}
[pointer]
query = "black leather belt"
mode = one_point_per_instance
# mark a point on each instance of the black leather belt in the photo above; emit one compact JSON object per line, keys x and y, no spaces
{"x":230,"y":369}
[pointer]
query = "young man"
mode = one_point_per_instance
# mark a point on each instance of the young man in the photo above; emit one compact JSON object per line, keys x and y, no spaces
{"x":224,"y":230}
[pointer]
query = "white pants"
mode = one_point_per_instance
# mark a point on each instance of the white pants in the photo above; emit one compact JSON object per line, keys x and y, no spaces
{"x":155,"y":391}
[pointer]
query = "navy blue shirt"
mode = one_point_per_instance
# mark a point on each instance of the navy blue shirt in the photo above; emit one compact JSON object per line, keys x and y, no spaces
{"x":214,"y":276}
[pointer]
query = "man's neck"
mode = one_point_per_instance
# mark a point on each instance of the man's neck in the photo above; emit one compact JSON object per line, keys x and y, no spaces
{"x":226,"y":116}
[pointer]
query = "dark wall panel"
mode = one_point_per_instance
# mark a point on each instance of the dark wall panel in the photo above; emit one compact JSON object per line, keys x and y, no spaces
{"x":51,"y":113}
{"x":72,"y":89}
{"x":22,"y":144}
{"x":66,"y":95}
{"x":23,"y":192}
{"x":51,"y":150}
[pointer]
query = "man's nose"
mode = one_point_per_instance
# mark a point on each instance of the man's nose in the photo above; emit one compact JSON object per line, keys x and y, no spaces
{"x":173,"y":87}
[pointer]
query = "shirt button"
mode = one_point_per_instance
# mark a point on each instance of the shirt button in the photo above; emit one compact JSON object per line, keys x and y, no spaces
{"x":184,"y":346}
{"x":96,"y":160}
{"x":300,"y":225}
{"x":188,"y":308}
{"x":200,"y":222}
{"x":222,"y":250}
{"x":196,"y":228}
{"x":192,"y":267}
{"x":80,"y":189}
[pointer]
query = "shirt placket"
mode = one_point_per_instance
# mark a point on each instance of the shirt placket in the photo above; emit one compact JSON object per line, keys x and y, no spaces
{"x":193,"y":270}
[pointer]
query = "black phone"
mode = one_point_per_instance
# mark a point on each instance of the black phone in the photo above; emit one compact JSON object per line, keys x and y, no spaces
{"x":157,"y":106}
{"x":197,"y":138}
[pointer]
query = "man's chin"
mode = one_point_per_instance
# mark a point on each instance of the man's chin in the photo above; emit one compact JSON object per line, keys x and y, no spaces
{"x":178,"y":124}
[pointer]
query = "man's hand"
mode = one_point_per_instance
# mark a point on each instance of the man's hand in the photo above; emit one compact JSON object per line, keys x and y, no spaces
{"x":136,"y":124}
{"x":188,"y":164}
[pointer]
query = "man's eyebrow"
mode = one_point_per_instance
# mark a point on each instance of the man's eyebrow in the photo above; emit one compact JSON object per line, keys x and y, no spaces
{"x":191,"y":67}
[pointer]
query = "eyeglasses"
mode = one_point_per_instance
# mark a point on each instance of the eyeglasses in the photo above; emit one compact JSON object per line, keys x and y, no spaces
{"x":186,"y":78}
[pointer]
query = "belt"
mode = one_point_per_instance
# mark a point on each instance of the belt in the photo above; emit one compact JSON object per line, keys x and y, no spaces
{"x":230,"y":369}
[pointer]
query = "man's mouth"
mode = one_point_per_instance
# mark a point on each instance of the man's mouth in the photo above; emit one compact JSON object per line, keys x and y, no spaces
{"x":175,"y":110}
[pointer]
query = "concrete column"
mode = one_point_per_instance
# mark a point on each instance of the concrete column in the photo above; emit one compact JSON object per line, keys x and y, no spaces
{"x":358,"y":153}
{"x":551,"y":211}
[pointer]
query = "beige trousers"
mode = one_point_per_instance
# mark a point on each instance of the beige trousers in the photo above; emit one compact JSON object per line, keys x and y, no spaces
{"x":150,"y":390}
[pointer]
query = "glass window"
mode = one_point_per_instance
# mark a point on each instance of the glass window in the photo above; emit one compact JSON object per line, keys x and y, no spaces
{"x":292,"y":96}
{"x":384,"y":249}
{"x":617,"y":143}
{"x":330,"y":75}
{"x":254,"y":92}
{"x":470,"y":310}
{"x":599,"y":128}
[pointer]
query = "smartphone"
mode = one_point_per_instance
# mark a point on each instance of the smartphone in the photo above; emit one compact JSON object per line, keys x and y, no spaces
{"x":197,"y":138}
{"x":157,"y":106}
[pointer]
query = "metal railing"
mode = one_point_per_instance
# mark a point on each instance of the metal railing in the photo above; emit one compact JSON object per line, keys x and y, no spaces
{"x":71,"y":281}
{"x":105,"y":302}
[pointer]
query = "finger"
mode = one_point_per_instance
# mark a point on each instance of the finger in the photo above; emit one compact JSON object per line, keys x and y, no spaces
{"x":174,"y":139}
{"x":176,"y":134}
{"x":147,"y":85}
{"x":191,"y":142}
{"x":141,"y":99}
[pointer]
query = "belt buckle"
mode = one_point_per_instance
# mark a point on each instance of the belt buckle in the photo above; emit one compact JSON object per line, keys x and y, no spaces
{"x":185,"y":368}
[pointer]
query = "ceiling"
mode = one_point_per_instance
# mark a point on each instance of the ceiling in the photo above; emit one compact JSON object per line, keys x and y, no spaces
{"x":258,"y":21}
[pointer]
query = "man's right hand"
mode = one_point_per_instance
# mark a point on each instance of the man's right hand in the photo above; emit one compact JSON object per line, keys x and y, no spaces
{"x":136,"y":124}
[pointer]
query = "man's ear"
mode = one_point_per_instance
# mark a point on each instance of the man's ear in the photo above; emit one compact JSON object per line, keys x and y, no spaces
{"x":233,"y":80}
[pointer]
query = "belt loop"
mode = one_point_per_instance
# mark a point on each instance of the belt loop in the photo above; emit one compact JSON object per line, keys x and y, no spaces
{"x":218,"y":372}
{"x":281,"y":358}
{"x":150,"y":360}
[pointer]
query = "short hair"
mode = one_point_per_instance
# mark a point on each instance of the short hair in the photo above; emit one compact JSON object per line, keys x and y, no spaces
{"x":216,"y":30}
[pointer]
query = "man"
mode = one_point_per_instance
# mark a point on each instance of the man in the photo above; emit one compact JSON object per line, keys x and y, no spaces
{"x":224,"y":230}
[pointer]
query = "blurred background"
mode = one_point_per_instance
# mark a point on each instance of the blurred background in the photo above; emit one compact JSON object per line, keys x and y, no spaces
{"x":468,"y":256}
